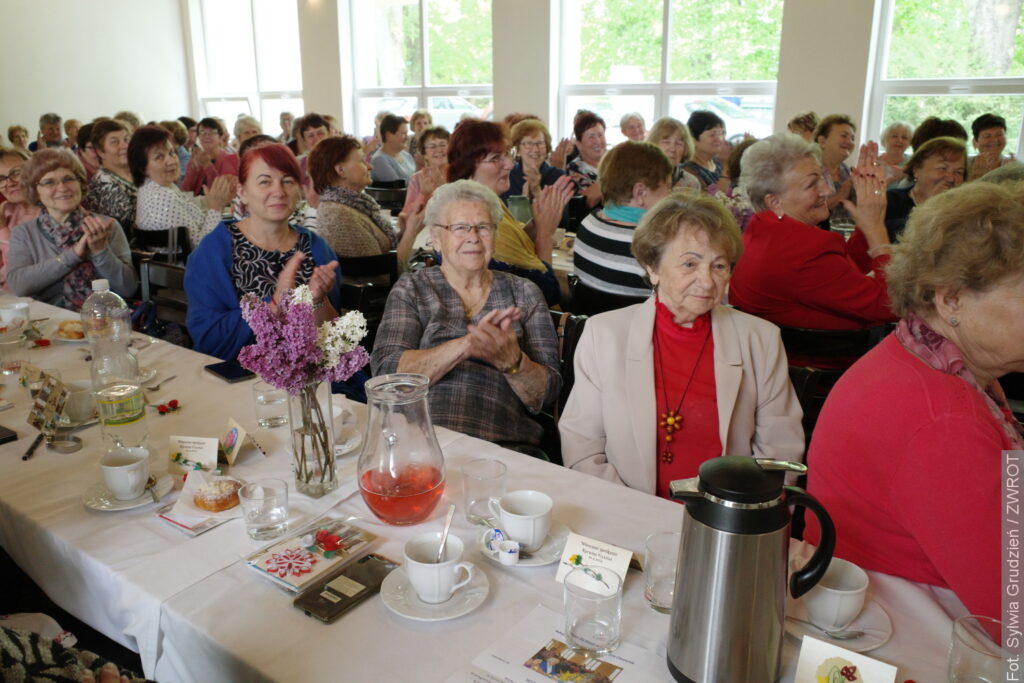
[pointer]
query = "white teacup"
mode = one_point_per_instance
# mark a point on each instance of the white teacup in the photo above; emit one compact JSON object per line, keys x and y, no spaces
{"x":81,"y":405}
{"x":125,"y":472}
{"x":435,"y":582}
{"x":14,"y":318}
{"x":525,"y":516}
{"x":838,"y":598}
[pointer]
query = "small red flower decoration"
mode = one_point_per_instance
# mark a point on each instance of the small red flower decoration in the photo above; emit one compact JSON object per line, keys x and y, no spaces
{"x":849,"y":673}
{"x":161,"y":408}
{"x":173,"y":404}
{"x":168,"y":407}
{"x":328,"y":542}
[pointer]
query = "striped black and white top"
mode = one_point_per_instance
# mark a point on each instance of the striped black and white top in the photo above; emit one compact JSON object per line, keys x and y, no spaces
{"x":602,"y":258}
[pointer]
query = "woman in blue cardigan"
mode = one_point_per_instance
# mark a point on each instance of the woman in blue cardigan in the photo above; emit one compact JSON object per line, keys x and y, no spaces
{"x":260,"y":254}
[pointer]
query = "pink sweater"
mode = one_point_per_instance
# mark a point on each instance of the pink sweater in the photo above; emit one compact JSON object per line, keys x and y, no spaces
{"x":906,"y":460}
{"x":195,"y":177}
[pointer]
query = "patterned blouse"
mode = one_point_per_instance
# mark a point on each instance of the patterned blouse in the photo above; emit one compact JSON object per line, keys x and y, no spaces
{"x":111,"y":195}
{"x":582,"y":173}
{"x":255,"y":270}
{"x":163,"y":208}
{"x":423,"y":311}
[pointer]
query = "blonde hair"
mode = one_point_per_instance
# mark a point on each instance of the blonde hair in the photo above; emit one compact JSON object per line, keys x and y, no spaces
{"x":667,"y":125}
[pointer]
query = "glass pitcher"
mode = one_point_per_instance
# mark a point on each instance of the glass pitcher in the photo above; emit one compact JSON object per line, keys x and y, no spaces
{"x":401,"y":468}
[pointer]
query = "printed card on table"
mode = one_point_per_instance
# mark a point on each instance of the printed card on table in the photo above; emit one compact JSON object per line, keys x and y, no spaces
{"x":189,"y":453}
{"x":233,"y":440}
{"x":580,"y":550}
{"x":822,"y":662}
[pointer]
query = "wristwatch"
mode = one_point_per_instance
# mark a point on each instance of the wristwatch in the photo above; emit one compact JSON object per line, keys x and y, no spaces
{"x":514,"y":368}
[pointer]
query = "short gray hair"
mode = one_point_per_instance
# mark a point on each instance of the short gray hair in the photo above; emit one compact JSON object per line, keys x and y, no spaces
{"x":631,"y":115}
{"x":766,"y":162}
{"x":1011,"y":172}
{"x":461,"y":191}
{"x":246,"y":121}
{"x":49,"y":118}
{"x":893,"y":127}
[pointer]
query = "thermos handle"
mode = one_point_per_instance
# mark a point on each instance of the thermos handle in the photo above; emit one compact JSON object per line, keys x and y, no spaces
{"x":805,"y":578}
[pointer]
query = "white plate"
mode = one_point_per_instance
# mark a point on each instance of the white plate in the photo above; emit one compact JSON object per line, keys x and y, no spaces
{"x":400,"y":597}
{"x":99,"y":497}
{"x":874,"y":621}
{"x":548,"y":553}
{"x":49,"y":331}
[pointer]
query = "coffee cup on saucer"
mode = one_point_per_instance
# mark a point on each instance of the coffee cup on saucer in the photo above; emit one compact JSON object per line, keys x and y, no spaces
{"x":435,"y":582}
{"x":838,"y":597}
{"x":525,"y":516}
{"x":125,"y":472}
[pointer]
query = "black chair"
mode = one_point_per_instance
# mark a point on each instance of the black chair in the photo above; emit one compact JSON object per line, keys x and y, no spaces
{"x":584,"y":300}
{"x":837,"y":349}
{"x":390,"y":195}
{"x":568,"y":329}
{"x":366,"y":282}
{"x":164,"y":301}
{"x":575,"y":211}
{"x":170,"y":246}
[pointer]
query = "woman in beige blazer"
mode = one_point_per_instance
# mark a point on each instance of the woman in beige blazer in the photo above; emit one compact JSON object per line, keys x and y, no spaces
{"x":664,"y":385}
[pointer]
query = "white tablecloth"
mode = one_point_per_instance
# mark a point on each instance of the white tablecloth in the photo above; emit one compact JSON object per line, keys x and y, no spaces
{"x":195,"y":612}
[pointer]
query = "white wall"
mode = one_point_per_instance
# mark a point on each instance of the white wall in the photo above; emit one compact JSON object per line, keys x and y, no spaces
{"x":87,"y":59}
{"x":321,"y":42}
{"x":523,"y":78}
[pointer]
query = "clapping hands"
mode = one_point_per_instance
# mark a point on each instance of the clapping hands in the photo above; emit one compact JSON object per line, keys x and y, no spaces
{"x":493,"y":338}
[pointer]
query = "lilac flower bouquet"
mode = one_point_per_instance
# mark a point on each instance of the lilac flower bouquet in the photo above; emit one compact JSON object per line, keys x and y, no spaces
{"x":292,"y":352}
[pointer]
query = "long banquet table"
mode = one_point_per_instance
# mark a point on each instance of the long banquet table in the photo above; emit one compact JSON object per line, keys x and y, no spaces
{"x":195,"y":612}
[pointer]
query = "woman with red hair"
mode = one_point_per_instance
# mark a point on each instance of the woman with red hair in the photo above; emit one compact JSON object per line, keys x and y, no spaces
{"x":260,"y":254}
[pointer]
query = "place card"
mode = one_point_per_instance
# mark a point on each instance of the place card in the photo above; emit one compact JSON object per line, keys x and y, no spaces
{"x":189,"y":453}
{"x":821,"y":661}
{"x":233,"y":440}
{"x":580,"y":550}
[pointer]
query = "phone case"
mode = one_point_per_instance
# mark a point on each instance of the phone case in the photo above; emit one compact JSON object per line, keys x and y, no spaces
{"x":335,"y":595}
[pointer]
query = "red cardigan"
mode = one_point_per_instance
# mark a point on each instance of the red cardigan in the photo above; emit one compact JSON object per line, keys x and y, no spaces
{"x":225,"y":164}
{"x":798,"y":275}
{"x":906,"y":460}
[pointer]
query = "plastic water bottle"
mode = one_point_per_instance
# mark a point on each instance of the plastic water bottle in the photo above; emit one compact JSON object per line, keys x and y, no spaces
{"x":120,"y":401}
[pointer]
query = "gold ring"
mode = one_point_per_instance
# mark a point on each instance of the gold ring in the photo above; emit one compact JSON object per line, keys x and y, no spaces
{"x":878,"y":192}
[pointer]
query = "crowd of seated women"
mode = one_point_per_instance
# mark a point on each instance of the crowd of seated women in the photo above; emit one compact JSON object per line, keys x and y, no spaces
{"x":696,"y":250}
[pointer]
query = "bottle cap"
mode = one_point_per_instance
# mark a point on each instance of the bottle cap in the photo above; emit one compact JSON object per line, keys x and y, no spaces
{"x":100,"y":285}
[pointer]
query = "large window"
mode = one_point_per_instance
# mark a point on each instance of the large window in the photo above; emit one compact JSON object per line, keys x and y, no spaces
{"x":671,"y":58}
{"x":955,"y":59}
{"x":421,"y":54}
{"x":247,"y":59}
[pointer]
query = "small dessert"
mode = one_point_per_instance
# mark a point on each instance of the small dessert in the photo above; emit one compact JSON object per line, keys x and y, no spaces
{"x":216,"y":496}
{"x":71,"y":329}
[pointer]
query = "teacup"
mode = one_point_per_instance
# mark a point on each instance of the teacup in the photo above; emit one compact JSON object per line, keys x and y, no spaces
{"x":125,"y":472}
{"x":525,"y":516}
{"x":838,"y":598}
{"x":81,"y":405}
{"x":435,"y":582}
{"x":14,"y":319}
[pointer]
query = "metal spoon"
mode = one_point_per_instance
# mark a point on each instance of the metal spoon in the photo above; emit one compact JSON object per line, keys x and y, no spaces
{"x":444,"y":534}
{"x":834,"y":635}
{"x":150,"y":486}
{"x":159,"y":384}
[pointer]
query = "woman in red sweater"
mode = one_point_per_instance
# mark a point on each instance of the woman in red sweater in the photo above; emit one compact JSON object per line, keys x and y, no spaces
{"x":907,"y":453}
{"x":792,"y":272}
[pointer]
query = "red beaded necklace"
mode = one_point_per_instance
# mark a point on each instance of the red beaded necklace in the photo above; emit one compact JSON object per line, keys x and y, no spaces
{"x":672,"y":420}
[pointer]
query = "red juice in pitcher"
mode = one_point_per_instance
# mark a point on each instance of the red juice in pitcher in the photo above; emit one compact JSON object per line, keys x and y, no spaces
{"x":406,"y":497}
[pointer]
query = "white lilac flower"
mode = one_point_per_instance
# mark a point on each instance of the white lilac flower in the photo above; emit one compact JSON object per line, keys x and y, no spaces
{"x":302,"y":295}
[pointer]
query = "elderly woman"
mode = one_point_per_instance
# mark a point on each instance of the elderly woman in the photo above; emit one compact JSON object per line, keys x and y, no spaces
{"x":836,"y":135}
{"x":895,"y":141}
{"x":55,"y":256}
{"x":632,"y":127}
{"x":210,"y":157}
{"x":989,"y":139}
{"x":478,"y":150}
{"x":432,"y":147}
{"x":16,"y":208}
{"x":418,"y":122}
{"x":111,"y":191}
{"x":483,"y":337}
{"x":708,"y":131}
{"x":161,"y":205}
{"x":938,"y":165}
{"x":634,"y":177}
{"x":718,"y":378}
{"x":794,"y":273}
{"x":938,"y":417}
{"x":674,"y":139}
{"x":261,"y":254}
{"x":588,"y":129}
{"x":349,"y":219}
{"x":532,"y":173}
{"x":391,"y":162}
{"x":803,"y":124}
{"x":18,"y":136}
{"x":246,"y":127}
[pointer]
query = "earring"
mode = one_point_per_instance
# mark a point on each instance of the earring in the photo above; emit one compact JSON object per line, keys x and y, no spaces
{"x":954,"y":321}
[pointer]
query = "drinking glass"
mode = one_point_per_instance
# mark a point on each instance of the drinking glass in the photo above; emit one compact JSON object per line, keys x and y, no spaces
{"x":661,"y":553}
{"x":12,"y":354}
{"x":482,"y":479}
{"x":264,"y":508}
{"x":271,"y":405}
{"x":975,"y":653}
{"x":593,"y":610}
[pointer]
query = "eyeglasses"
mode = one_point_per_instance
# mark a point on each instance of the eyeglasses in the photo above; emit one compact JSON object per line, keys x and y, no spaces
{"x":52,"y":183}
{"x":526,"y":144}
{"x":463,"y":229}
{"x":431,"y":146}
{"x":12,"y":177}
{"x":497,"y":158}
{"x":205,"y":132}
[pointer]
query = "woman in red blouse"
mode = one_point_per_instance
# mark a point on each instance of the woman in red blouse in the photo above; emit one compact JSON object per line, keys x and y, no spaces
{"x":664,"y":385}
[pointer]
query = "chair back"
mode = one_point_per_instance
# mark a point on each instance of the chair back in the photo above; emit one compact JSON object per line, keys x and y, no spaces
{"x":575,"y":211}
{"x":584,"y":300}
{"x":171,"y":245}
{"x":837,"y":349}
{"x":362,"y":267}
{"x":390,"y":195}
{"x":164,"y":305}
{"x":366,"y":282}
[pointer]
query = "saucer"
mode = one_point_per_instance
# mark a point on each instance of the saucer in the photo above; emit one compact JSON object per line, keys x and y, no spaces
{"x":548,"y":553}
{"x":400,"y":597}
{"x":98,"y":496}
{"x":874,"y":621}
{"x":49,"y":331}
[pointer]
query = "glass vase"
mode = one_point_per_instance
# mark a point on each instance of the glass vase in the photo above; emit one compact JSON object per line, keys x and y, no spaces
{"x":401,"y":467}
{"x":310,"y":415}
